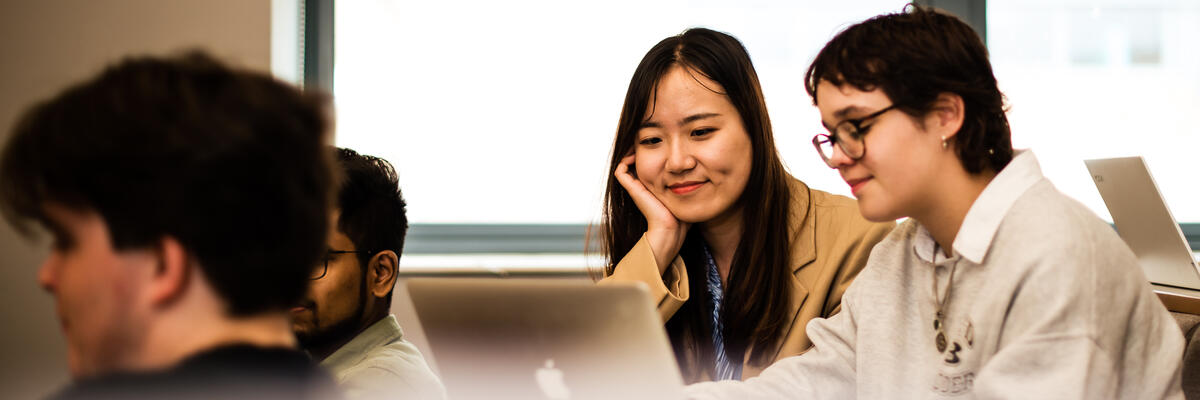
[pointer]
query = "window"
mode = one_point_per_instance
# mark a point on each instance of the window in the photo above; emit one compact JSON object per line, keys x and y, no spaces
{"x":500,"y":115}
{"x":504,"y":112}
{"x":1103,"y":79}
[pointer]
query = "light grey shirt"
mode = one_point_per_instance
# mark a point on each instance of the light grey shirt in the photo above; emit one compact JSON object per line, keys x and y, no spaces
{"x":380,"y":364}
{"x":1047,"y":302}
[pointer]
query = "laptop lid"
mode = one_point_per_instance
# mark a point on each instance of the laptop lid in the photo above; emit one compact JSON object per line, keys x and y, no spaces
{"x":545,"y":339}
{"x":1144,"y":221}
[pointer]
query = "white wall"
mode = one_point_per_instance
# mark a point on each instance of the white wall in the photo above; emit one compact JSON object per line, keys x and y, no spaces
{"x":47,"y":44}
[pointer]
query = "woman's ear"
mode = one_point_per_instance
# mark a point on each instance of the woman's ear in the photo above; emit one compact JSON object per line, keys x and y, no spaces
{"x":172,"y":272}
{"x":946,"y":116}
{"x":382,"y":270}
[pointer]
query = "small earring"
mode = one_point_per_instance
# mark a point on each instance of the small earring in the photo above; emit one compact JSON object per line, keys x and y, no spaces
{"x":944,"y":144}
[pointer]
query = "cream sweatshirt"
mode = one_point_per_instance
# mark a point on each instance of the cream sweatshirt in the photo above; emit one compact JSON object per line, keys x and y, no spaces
{"x":1047,"y":302}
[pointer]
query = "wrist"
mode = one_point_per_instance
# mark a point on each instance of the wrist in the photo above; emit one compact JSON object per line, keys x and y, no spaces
{"x":665,"y":244}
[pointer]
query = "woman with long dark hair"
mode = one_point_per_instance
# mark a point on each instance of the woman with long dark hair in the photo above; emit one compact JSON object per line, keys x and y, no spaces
{"x":738,"y":254}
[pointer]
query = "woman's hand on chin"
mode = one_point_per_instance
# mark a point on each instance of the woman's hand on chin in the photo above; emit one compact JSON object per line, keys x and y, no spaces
{"x":664,"y":231}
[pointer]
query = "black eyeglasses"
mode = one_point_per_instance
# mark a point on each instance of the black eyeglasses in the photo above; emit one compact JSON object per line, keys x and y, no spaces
{"x":848,"y":135}
{"x":323,"y":266}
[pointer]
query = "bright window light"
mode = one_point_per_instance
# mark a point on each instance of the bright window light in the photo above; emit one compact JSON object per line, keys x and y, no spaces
{"x":1098,"y":79}
{"x":504,"y":112}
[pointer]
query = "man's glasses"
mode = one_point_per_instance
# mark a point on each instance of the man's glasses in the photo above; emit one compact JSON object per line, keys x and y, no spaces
{"x":323,"y":266}
{"x":848,"y":135}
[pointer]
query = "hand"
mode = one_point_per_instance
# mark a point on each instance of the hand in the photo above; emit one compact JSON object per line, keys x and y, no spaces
{"x":663,"y":230}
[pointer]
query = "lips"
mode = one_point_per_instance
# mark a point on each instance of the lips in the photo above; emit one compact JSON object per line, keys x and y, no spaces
{"x":307,"y":305}
{"x":685,"y":187}
{"x":62,"y":319}
{"x":856,"y":184}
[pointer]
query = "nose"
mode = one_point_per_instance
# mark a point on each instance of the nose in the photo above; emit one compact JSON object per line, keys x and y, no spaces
{"x":47,"y":274}
{"x":839,"y":158}
{"x":680,"y":158}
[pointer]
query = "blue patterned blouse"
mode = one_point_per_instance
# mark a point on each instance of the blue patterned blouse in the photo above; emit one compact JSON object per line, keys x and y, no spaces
{"x":726,"y":370}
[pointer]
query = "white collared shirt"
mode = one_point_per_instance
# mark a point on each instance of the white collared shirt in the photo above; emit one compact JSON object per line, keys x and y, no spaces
{"x":380,"y":364}
{"x":975,"y":235}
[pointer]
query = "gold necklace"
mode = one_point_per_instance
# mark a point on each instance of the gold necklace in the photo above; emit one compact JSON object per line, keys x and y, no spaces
{"x":938,"y":325}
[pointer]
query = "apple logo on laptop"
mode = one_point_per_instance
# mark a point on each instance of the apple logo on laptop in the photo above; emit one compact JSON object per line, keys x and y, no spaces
{"x":550,"y":380}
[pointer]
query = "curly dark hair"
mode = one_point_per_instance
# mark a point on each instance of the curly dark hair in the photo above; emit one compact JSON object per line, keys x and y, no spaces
{"x":231,"y":163}
{"x":914,"y":56}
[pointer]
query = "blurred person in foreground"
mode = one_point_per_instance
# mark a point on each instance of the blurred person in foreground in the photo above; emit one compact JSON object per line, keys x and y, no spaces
{"x":188,"y":202}
{"x":344,"y":320}
{"x":997,"y":286}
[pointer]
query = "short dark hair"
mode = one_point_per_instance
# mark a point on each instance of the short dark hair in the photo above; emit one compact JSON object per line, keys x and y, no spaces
{"x":372,"y":206}
{"x":914,"y":56}
{"x":231,"y":163}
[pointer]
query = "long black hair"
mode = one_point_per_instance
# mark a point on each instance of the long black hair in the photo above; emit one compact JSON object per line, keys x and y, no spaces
{"x":755,"y":305}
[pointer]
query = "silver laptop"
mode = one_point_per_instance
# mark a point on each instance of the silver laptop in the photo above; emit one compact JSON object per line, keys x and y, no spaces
{"x":1144,"y":222}
{"x":545,"y":339}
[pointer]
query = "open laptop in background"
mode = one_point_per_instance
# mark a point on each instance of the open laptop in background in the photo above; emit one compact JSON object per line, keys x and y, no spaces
{"x":1144,"y":221}
{"x":545,"y":339}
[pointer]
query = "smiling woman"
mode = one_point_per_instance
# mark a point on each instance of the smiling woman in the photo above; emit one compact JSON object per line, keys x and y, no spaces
{"x":692,"y":149}
{"x":697,"y":190}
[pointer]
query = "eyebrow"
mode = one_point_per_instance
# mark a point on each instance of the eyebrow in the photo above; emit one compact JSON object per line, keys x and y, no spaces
{"x":684,"y":121}
{"x":841,"y":114}
{"x":57,"y":230}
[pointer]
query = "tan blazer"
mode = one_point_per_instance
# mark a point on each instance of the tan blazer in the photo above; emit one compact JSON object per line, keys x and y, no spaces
{"x":830,"y":242}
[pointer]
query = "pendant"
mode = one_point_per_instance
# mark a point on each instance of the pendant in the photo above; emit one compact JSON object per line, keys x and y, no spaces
{"x":940,"y":339}
{"x":970,"y":335}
